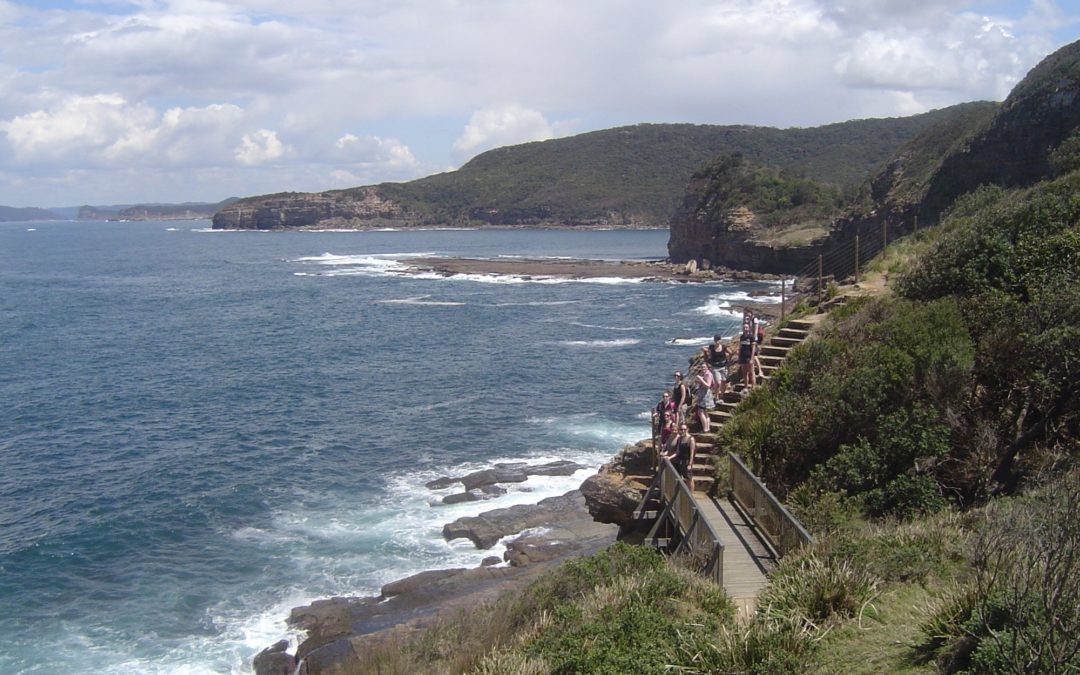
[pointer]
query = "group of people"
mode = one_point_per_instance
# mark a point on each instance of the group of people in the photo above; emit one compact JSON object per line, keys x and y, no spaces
{"x":708,"y":382}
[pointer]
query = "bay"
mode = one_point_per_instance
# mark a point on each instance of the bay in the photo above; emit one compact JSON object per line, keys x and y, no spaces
{"x":201,"y":430}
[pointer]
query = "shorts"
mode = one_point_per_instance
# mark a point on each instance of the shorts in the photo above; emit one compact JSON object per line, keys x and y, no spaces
{"x":745,"y":352}
{"x":720,"y":374}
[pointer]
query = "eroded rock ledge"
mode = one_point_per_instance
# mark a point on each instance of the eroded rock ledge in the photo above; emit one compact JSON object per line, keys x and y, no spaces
{"x":340,"y":629}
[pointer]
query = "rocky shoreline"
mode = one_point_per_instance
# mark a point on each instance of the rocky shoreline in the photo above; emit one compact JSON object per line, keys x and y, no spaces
{"x":646,"y":270}
{"x":581,"y":522}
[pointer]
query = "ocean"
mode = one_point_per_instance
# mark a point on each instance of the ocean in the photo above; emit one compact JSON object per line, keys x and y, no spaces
{"x":200,"y":430}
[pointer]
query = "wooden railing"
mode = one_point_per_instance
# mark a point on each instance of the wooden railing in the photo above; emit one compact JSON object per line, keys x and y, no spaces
{"x":681,"y":512}
{"x":784,"y":532}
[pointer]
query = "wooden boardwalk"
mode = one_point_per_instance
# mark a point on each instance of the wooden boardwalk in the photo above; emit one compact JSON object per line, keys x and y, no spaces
{"x":746,"y":528}
{"x":746,"y":557}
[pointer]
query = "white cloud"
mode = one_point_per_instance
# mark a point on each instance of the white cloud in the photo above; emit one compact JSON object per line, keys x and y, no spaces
{"x":372,"y":150}
{"x":505,"y":125}
{"x":908,"y":62}
{"x":80,"y":124}
{"x":108,"y":130}
{"x":259,"y":147}
{"x":263,"y":95}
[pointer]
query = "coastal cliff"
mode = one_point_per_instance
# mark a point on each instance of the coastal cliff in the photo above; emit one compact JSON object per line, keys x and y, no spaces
{"x":365,"y":208}
{"x":1009,"y":145}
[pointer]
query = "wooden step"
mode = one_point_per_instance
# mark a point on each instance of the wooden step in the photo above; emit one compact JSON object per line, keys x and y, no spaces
{"x":789,"y":332}
{"x":785,"y":342}
{"x":773,"y":361}
{"x":799,"y":324}
{"x":719,"y":416}
{"x":703,"y":483}
{"x":775,"y":350}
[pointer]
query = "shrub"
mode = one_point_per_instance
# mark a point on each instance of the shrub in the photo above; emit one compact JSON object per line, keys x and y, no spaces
{"x":862,"y":410}
{"x":760,"y":648}
{"x":822,"y":513}
{"x":809,"y":591}
{"x":1021,"y":610}
{"x":916,"y":551}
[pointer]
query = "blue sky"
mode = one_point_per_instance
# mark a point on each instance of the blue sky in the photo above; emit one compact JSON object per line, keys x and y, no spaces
{"x":114,"y":101}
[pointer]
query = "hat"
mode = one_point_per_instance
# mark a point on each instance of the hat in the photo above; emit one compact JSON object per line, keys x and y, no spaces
{"x":718,"y":337}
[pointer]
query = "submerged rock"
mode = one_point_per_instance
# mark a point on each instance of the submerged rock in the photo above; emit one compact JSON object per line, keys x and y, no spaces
{"x":489,"y":527}
{"x":460,"y":497}
{"x":504,"y":472}
{"x":559,"y":468}
{"x":492,"y":476}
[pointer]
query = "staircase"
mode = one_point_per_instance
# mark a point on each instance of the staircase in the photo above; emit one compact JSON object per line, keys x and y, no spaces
{"x":773,"y":353}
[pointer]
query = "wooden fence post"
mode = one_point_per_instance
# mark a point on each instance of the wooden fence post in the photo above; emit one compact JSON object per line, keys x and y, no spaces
{"x":783,"y":297}
{"x":820,"y":279}
{"x":856,"y":258}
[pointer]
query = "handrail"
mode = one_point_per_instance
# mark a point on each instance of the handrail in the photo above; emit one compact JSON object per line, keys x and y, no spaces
{"x":784,"y":531}
{"x":697,"y":534}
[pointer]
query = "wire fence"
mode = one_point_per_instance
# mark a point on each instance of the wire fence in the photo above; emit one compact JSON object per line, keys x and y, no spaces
{"x":845,"y":259}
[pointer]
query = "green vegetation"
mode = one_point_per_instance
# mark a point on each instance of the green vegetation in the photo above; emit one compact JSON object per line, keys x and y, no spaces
{"x":859,"y":411}
{"x":904,"y":180}
{"x":638,"y":174}
{"x":776,"y":196}
{"x":1019,"y":610}
{"x":928,"y":440}
{"x":626,"y":609}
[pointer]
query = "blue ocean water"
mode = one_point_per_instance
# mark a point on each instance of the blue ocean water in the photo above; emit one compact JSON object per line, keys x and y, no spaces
{"x":200,"y":430}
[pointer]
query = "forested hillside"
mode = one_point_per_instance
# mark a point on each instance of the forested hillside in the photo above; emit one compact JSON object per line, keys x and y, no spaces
{"x":628,"y":176}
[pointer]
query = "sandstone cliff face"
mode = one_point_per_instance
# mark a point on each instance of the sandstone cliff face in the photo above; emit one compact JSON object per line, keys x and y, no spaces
{"x":313,"y":210}
{"x":727,"y":240}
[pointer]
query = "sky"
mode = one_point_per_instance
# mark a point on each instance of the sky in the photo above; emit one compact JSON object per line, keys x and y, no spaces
{"x":129,"y":101}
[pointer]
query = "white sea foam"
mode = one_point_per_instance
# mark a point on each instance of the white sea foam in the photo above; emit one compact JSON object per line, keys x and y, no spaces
{"x":524,"y":279}
{"x":421,"y":300}
{"x":720,"y":305}
{"x":352,"y":546}
{"x":333,"y":265}
{"x":31,"y":229}
{"x":689,"y":341}
{"x":599,"y":343}
{"x":538,"y":303}
{"x":618,"y":328}
{"x":171,"y":229}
